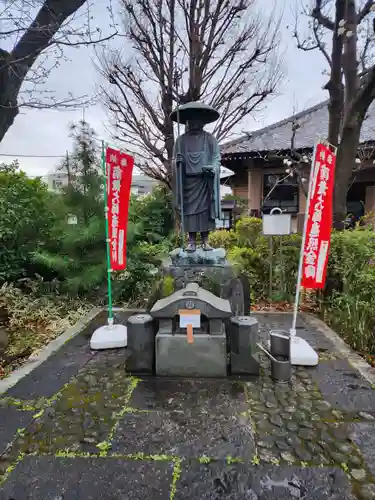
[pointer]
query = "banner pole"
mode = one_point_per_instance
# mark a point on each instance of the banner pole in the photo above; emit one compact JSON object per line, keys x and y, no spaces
{"x":293,"y":330}
{"x":106,"y":178}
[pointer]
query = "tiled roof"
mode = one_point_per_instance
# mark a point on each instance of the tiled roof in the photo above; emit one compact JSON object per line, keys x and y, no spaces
{"x":313,"y":124}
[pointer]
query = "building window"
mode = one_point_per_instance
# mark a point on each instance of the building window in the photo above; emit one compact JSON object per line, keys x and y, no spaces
{"x":56,"y":184}
{"x":281,"y":192}
{"x":226,"y":220}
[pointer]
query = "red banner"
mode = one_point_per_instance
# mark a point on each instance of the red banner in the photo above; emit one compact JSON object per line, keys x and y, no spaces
{"x":319,"y":221}
{"x":119,"y":168}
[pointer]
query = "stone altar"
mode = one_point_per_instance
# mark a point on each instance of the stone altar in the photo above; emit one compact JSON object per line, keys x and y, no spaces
{"x":215,"y":344}
{"x":206,"y":356}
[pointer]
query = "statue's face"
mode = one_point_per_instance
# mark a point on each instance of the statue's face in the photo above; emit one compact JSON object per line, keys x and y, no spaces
{"x":195,"y":125}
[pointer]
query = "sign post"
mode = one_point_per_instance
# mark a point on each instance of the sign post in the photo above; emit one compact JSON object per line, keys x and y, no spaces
{"x":117,"y":177}
{"x":316,"y":236}
{"x":276,"y":223}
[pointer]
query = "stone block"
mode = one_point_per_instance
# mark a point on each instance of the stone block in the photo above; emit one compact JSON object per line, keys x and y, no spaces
{"x":205,"y":357}
{"x":242,"y":338}
{"x":200,"y":256}
{"x":213,"y":277}
{"x":141,"y":344}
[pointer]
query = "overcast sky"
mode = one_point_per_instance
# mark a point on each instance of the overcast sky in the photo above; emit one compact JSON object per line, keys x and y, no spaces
{"x":37,"y":132}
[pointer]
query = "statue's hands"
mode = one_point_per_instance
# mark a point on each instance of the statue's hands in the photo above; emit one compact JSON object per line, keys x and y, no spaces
{"x":179,"y":158}
{"x":209,"y":169}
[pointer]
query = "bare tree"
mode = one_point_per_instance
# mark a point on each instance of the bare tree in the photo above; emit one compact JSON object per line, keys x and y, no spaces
{"x":351,"y":85}
{"x":219,"y":51}
{"x":33,"y":34}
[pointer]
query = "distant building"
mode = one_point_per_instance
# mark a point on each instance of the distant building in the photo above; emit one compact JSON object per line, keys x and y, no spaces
{"x":257,"y":162}
{"x":141,"y":184}
{"x":56,"y":181}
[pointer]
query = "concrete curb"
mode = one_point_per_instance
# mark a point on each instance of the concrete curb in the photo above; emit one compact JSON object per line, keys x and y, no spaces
{"x":367,"y":371}
{"x":34,"y":361}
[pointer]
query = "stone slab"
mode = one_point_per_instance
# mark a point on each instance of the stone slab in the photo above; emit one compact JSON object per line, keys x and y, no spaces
{"x":49,"y":377}
{"x":343,"y":386}
{"x":218,"y":435}
{"x":217,"y":480}
{"x":85,"y":411}
{"x":283,"y":321}
{"x":205,"y":357}
{"x":44,"y":478}
{"x":363,"y":435}
{"x":185,"y":395}
{"x":11,"y":420}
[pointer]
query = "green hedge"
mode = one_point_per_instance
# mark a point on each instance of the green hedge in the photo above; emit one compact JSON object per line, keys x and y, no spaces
{"x":347,"y":303}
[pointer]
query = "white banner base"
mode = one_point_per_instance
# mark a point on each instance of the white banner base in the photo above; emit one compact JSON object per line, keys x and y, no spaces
{"x":301,"y":353}
{"x":109,"y":337}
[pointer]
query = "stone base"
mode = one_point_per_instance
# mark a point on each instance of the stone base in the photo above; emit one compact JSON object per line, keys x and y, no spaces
{"x":180,"y":257}
{"x":205,"y":357}
{"x":215,"y":278}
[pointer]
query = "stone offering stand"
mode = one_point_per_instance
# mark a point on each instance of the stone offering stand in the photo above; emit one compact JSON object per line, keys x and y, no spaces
{"x":221,"y":338}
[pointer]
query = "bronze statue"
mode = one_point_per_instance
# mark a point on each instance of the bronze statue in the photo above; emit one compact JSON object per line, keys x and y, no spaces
{"x":196,"y":173}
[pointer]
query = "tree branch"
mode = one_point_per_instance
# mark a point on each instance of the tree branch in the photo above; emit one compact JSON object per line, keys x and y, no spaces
{"x":224,"y":54}
{"x":365,"y":11}
{"x":323,"y":20}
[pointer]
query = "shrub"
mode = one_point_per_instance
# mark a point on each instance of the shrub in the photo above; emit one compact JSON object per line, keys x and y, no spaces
{"x":349,"y":302}
{"x":254,"y":265}
{"x":26,"y":222}
{"x":248,"y":230}
{"x":223,"y":239}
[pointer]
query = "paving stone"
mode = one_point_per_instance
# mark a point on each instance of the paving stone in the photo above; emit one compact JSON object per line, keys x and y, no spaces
{"x":276,"y":420}
{"x":44,"y":478}
{"x":218,"y":481}
{"x":292,"y":426}
{"x":266,"y":444}
{"x":344,"y":387}
{"x":366,"y":416}
{"x":182,"y":395}
{"x":358,"y":474}
{"x":322,"y":405}
{"x":367,"y":492}
{"x":80,"y":418}
{"x":50,"y":377}
{"x":11,"y":420}
{"x":363,"y":435}
{"x":217,"y":435}
{"x":302,"y":453}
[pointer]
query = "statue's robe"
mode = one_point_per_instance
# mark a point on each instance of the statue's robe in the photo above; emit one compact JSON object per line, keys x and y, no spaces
{"x":197,"y":149}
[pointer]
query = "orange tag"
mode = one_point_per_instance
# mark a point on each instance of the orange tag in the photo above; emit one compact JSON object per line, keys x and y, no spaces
{"x":190,"y":336}
{"x":190,"y":319}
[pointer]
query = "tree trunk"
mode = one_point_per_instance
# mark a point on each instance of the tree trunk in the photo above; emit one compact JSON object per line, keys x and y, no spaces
{"x":8,"y":95}
{"x":335,"y":86}
{"x":14,"y":66}
{"x":346,"y":155}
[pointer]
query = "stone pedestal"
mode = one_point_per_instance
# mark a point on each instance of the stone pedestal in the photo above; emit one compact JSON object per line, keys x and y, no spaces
{"x":242,"y":338}
{"x":141,"y":344}
{"x":205,"y":357}
{"x":209,"y":269}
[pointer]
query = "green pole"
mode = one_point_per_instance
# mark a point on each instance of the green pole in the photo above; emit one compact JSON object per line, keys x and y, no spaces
{"x":105,"y":178}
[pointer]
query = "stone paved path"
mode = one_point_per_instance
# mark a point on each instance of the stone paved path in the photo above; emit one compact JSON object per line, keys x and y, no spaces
{"x":80,"y":428}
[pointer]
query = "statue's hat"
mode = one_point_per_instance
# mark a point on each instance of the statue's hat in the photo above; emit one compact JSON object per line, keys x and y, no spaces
{"x":195,"y":111}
